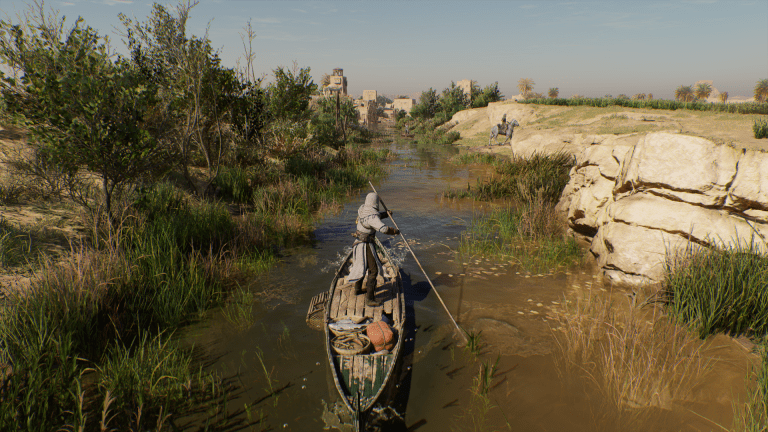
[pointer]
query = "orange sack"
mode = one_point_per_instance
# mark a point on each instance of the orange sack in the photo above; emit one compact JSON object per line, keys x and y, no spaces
{"x":381,"y":336}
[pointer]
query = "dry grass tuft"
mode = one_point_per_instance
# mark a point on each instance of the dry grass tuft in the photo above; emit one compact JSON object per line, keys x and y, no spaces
{"x":635,"y":363}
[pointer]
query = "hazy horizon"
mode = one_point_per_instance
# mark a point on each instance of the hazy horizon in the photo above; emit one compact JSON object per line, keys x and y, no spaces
{"x":590,"y":48}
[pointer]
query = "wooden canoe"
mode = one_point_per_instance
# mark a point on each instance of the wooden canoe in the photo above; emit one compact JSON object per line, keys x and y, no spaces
{"x":361,"y":379}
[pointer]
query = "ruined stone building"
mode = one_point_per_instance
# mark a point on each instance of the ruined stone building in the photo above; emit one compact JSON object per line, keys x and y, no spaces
{"x":368,"y":108}
{"x":338,"y":84}
{"x":403,"y":104}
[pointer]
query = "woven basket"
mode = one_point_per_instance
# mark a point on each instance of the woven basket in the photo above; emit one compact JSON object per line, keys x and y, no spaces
{"x":351,"y":344}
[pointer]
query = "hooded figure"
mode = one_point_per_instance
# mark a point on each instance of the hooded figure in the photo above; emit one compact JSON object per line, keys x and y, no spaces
{"x":364,"y":253}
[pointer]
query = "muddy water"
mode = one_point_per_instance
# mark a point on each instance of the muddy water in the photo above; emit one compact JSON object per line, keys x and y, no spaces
{"x":273,"y":351}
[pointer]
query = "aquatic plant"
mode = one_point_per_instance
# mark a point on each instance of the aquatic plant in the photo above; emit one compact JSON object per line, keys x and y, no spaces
{"x":531,"y":234}
{"x":719,"y":289}
{"x":521,"y":178}
{"x":634,"y":360}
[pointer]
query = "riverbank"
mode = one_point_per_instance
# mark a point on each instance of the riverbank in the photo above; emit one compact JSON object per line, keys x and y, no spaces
{"x":573,"y":129}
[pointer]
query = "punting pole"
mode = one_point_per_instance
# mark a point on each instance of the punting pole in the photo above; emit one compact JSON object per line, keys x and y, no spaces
{"x":461,"y":331}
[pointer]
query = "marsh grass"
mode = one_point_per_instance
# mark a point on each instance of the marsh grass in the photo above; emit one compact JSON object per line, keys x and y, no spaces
{"x":474,"y":416}
{"x":635,"y":361}
{"x":752,"y":415}
{"x":521,"y":178}
{"x":715,"y":290}
{"x":531,"y":234}
{"x":476,"y":158}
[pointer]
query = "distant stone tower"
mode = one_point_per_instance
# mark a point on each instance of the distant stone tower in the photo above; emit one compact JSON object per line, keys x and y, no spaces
{"x":338,"y":83}
{"x":369,"y":95}
{"x":466,"y":85}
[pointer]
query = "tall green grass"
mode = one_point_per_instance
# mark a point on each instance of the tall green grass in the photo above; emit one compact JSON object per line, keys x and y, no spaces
{"x":522,"y":178}
{"x":738,"y":108}
{"x":719,"y":290}
{"x":91,"y":333}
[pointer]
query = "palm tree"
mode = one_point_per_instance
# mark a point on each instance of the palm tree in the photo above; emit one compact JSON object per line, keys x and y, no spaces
{"x":724,"y":97}
{"x":761,"y":90}
{"x":553,"y":92}
{"x":525,"y":85}
{"x":703,"y":90}
{"x":684,"y":93}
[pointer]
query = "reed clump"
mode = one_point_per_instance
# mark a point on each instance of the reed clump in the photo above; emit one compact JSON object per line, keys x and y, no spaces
{"x":520,"y":178}
{"x":531,"y":233}
{"x":635,"y":361}
{"x":719,"y":289}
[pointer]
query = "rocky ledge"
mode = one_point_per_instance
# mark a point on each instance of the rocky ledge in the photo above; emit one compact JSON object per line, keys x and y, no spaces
{"x":636,"y":204}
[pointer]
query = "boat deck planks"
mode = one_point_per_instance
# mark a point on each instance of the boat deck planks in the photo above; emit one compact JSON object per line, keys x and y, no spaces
{"x":363,"y":377}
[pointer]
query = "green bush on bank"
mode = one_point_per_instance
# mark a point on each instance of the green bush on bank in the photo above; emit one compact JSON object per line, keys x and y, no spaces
{"x":737,"y":108}
{"x":760,"y":128}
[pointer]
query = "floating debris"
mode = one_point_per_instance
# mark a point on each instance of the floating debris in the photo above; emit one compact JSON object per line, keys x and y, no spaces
{"x":554,"y":302}
{"x":438,"y":273}
{"x":450,"y":275}
{"x":494,"y":268}
{"x":534,"y":312}
{"x":527,"y":276}
{"x":539,"y":304}
{"x":521,"y":312}
{"x":530,"y":300}
{"x":462,"y":274}
{"x":517,"y":272}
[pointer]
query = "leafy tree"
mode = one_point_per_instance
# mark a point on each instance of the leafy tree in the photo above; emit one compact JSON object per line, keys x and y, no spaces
{"x":325,"y":80}
{"x":525,"y":85}
{"x":723,"y":97}
{"x":703,"y":90}
{"x":490,"y":93}
{"x":199,"y":95}
{"x":452,"y":100}
{"x":83,"y":110}
{"x":684,"y":93}
{"x":639,"y":96}
{"x":289,"y":95}
{"x":622,"y":96}
{"x":553,"y":92}
{"x":428,"y":105}
{"x":382,"y":100}
{"x":761,"y":90}
{"x":324,"y":120}
{"x":650,"y":96}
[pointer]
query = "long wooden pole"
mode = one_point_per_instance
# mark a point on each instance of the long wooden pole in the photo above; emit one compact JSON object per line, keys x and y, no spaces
{"x":461,"y":331}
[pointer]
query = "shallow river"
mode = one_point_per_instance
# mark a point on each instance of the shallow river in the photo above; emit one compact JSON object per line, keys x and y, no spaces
{"x":274,"y":349}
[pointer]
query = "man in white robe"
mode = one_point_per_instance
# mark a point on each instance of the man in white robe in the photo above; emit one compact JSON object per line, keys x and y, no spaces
{"x":364,"y":253}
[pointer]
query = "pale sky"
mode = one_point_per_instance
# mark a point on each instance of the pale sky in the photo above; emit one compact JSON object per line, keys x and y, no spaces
{"x":591,"y":48}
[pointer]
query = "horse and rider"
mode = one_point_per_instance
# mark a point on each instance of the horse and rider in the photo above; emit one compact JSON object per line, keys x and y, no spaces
{"x":504,"y":128}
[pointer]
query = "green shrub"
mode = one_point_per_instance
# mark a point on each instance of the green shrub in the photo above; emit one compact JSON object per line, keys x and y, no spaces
{"x":760,"y":128}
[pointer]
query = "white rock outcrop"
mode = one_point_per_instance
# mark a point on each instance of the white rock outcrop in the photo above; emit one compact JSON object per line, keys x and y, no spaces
{"x":636,"y":204}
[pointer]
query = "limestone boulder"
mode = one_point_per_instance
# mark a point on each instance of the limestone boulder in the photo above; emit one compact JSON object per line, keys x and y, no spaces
{"x":633,"y":254}
{"x":685,"y":168}
{"x":713,"y":227}
{"x":750,"y":187}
